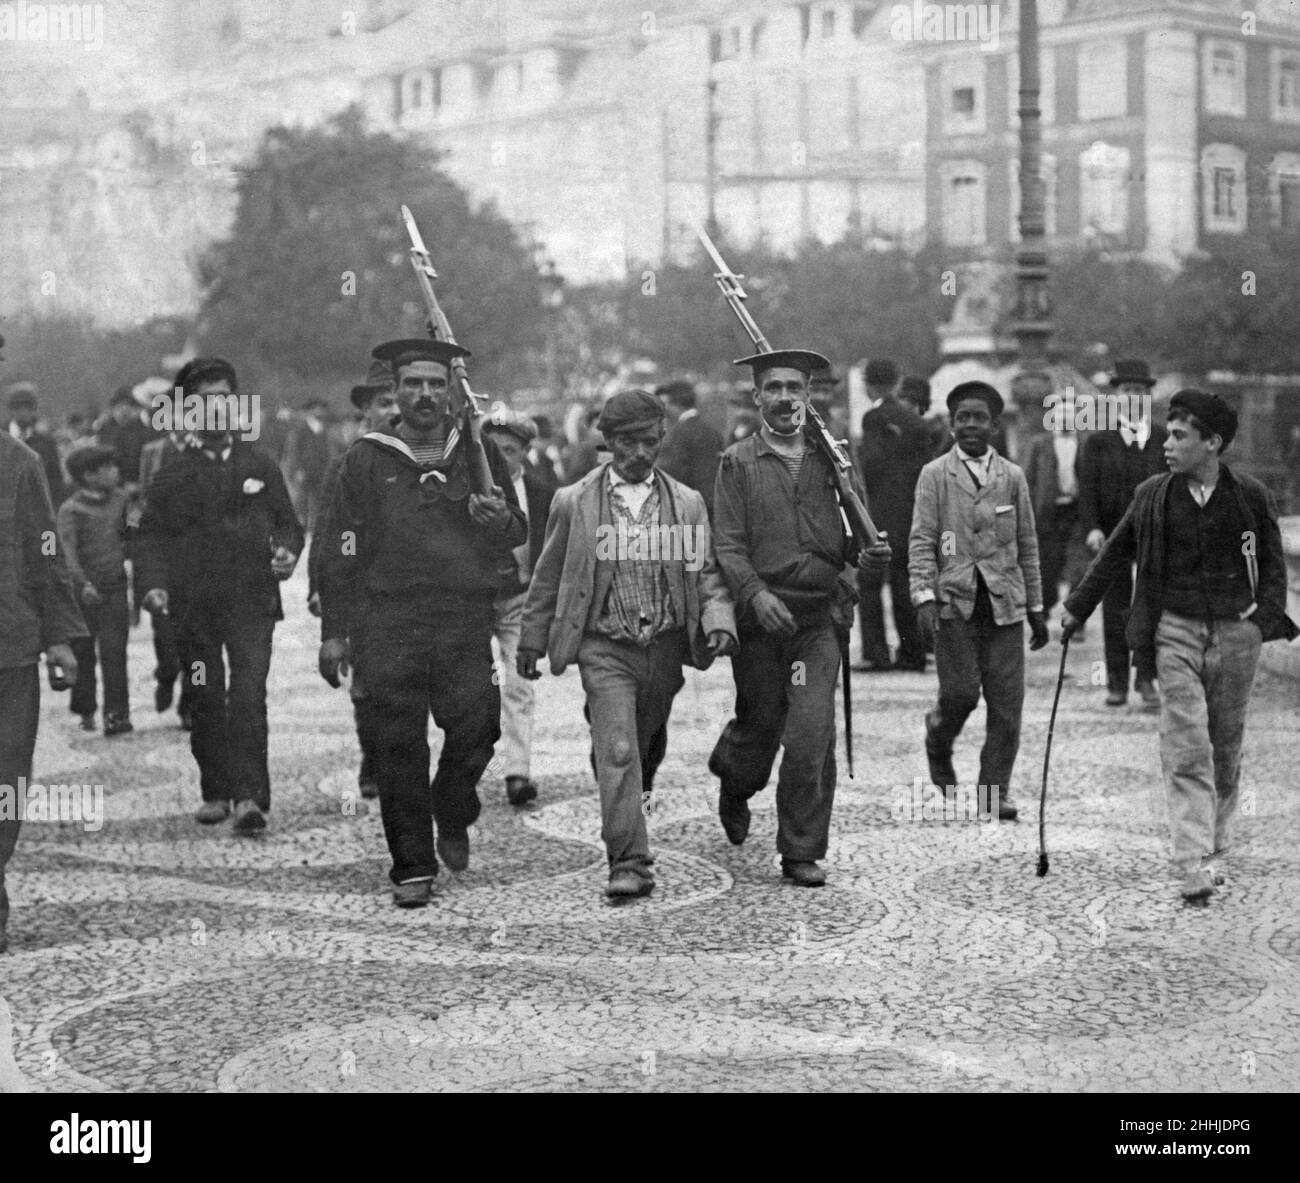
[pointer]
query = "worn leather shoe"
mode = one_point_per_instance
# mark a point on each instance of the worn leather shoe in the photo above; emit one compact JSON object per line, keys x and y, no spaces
{"x":627,"y":883}
{"x":1006,"y":811}
{"x":942,"y":772}
{"x":414,"y":893}
{"x":733,"y":812}
{"x":249,"y":819}
{"x":1116,"y":698}
{"x":211,"y":812}
{"x":369,"y":790}
{"x":520,"y":790}
{"x":1198,"y":885}
{"x":453,"y":849}
{"x":1147,"y":689}
{"x":803,"y":874}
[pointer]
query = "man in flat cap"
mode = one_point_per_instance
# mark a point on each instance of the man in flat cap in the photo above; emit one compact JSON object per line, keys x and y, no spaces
{"x":784,"y":552}
{"x":217,"y":537}
{"x":1211,"y":588}
{"x":376,"y":407}
{"x":894,"y":448}
{"x":38,"y":608}
{"x":407,"y":583}
{"x":23,"y":425}
{"x":973,"y":562}
{"x":512,"y":433}
{"x":126,"y":430}
{"x":626,"y":584}
{"x":691,"y":447}
{"x":1110,"y":466}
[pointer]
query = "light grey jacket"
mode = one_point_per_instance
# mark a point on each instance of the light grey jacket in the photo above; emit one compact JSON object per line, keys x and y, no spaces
{"x":569,"y":584}
{"x":957,"y":529}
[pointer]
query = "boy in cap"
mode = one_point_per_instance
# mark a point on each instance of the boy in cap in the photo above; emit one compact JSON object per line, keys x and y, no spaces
{"x":513,"y":433}
{"x":783,"y":550}
{"x":626,"y":585}
{"x":973,"y":562}
{"x":407,"y":580}
{"x":1211,"y":588}
{"x":92,"y":527}
{"x":376,"y":406}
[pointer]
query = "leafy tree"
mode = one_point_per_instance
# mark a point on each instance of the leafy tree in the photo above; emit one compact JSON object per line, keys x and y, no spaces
{"x":315,"y":270}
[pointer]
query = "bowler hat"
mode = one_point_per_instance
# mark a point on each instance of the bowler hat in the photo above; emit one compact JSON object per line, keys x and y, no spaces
{"x":1132,"y":370}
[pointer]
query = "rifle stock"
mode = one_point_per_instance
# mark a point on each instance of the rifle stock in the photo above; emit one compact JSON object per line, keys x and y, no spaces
{"x":480,"y":473}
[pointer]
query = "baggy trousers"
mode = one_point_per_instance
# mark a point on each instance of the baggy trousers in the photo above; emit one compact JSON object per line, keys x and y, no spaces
{"x":229,"y":738}
{"x":20,"y":711}
{"x":1206,"y":674}
{"x":169,"y":662}
{"x":109,"y":623}
{"x":630,"y":691}
{"x":785,"y":697}
{"x":974,"y":655}
{"x":415,"y":660}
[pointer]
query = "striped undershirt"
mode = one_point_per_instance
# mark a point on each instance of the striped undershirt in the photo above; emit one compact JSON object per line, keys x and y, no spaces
{"x":793,"y":463}
{"x":429,"y":455}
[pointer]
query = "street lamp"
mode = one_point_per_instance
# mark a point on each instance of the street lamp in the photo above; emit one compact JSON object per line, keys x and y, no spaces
{"x":1031,"y":317}
{"x":550,"y":285}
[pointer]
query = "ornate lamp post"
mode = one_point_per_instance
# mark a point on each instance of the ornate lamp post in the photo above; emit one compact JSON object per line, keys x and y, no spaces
{"x":550,"y":285}
{"x":1031,"y":316}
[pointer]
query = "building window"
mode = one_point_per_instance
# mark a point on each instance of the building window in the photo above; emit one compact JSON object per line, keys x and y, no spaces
{"x":964,"y":84}
{"x":1284,"y":89}
{"x":420,"y":91}
{"x":1223,"y":183}
{"x":1224,"y":67}
{"x":1284,"y":192}
{"x":1103,"y":198}
{"x":1049,"y":197}
{"x":1046,"y":86}
{"x":963,"y":204}
{"x":1103,"y":80}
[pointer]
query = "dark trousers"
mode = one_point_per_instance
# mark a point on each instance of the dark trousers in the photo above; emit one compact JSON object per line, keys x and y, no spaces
{"x":229,"y":737}
{"x":974,"y":655}
{"x":785,"y":696}
{"x":109,"y":623}
{"x":871,"y":606}
{"x":1056,"y":531}
{"x":169,"y":663}
{"x":1114,"y":621}
{"x":20,"y":711}
{"x":411,"y":666}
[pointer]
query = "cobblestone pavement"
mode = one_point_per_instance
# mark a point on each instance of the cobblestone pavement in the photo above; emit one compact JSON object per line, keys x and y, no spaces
{"x":155,"y":954}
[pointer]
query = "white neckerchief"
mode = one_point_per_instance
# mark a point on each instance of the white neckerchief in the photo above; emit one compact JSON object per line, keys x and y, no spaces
{"x":632,"y":493}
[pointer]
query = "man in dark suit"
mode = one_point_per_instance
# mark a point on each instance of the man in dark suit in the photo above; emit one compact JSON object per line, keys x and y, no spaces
{"x":24,"y":413}
{"x":125,"y":430}
{"x":513,"y":433}
{"x":217,"y":536}
{"x":915,"y":392}
{"x":1112,"y":463}
{"x":1051,"y":471}
{"x":691,"y":448}
{"x":895,"y":447}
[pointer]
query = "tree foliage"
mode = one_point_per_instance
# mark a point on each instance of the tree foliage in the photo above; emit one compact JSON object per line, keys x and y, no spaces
{"x":315,"y":270}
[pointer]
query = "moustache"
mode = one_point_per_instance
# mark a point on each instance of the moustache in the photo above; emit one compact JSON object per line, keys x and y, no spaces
{"x":784,"y":407}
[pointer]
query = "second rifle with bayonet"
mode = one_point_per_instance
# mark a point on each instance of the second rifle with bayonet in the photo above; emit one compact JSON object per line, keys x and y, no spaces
{"x":857,"y":521}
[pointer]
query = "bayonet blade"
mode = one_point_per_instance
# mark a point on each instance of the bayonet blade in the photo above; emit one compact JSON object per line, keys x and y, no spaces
{"x":417,"y":242}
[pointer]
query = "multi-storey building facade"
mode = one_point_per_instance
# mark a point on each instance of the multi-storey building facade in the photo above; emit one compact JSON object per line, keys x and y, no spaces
{"x":1166,"y":125}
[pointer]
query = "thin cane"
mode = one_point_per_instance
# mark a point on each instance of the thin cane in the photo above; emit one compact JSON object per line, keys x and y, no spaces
{"x":1047,"y":755}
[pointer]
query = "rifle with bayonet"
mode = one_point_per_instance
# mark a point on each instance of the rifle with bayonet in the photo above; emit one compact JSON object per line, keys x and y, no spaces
{"x":857,"y":521}
{"x":480,"y":474}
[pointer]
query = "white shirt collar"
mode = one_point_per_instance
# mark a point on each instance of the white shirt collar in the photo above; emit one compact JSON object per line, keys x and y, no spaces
{"x":615,"y":480}
{"x":981,"y":463}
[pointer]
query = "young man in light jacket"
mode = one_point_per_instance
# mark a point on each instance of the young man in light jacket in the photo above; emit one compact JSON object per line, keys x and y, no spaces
{"x":627,"y":586}
{"x":973,"y":565}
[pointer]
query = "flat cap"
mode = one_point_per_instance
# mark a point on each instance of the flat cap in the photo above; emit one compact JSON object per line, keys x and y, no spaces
{"x":880,"y":371}
{"x":982,"y":390}
{"x":1209,"y":410}
{"x":629,"y":410}
{"x":502,"y":418}
{"x":88,"y":458}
